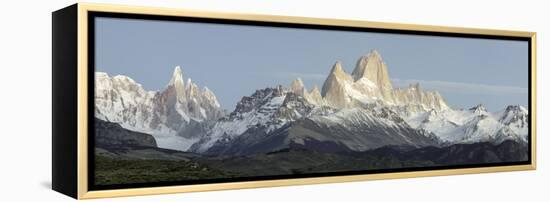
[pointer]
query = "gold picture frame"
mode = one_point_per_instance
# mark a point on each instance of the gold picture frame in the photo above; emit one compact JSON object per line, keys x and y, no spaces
{"x":73,"y":21}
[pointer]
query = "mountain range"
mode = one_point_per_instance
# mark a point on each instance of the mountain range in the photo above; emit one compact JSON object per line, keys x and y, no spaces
{"x":352,"y":112}
{"x":168,"y":114}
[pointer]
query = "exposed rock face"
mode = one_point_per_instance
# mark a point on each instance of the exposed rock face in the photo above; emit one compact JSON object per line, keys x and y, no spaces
{"x":364,"y":112}
{"x":419,"y":100}
{"x":514,"y":114}
{"x":278,"y":118}
{"x":516,"y":118}
{"x":370,"y":83}
{"x":120,"y":99}
{"x":264,"y":111}
{"x":166,"y":113}
{"x":176,"y":82}
{"x":373,"y":68}
{"x":314,"y":96}
{"x":352,"y":112}
{"x":186,"y":101}
{"x":334,"y":88}
{"x":297,"y":87}
{"x":346,"y":130}
{"x":257,"y":100}
{"x":479,"y":110}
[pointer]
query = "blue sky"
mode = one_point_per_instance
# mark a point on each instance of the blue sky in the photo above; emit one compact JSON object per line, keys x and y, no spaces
{"x":235,"y":60}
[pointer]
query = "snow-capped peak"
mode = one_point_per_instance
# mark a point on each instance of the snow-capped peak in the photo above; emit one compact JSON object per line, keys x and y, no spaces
{"x":516,"y":108}
{"x":369,"y":83}
{"x":164,"y":114}
{"x":479,"y":110}
{"x":101,"y":74}
{"x":512,"y":114}
{"x":210,"y":97}
{"x":177,"y":76}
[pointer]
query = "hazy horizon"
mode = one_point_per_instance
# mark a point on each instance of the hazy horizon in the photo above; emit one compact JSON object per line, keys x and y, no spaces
{"x":234,"y":60}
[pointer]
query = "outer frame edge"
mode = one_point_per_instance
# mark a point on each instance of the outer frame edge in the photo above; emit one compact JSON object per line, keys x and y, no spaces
{"x":85,"y":193}
{"x":533,"y":124}
{"x":64,"y":148}
{"x":294,"y":182}
{"x":82,"y":81}
{"x":300,"y":20}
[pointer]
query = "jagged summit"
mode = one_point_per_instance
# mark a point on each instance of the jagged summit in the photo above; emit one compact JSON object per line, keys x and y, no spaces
{"x":517,"y":118}
{"x":334,"y":87}
{"x":414,"y":86}
{"x":314,"y":96}
{"x":337,"y":67}
{"x":373,"y":68}
{"x":370,"y":83}
{"x":297,"y":83}
{"x":358,"y":111}
{"x":163,"y":114}
{"x":297,"y":86}
{"x":479,"y":109}
{"x":369,"y":66}
{"x":315,"y":90}
{"x":176,"y":84}
{"x":338,"y":71}
{"x":177,"y":76}
{"x":516,"y":108}
{"x":420,"y":99}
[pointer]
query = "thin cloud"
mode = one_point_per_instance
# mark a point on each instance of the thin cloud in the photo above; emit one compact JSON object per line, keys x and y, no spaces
{"x":293,"y":75}
{"x":463,"y":88}
{"x":308,"y":76}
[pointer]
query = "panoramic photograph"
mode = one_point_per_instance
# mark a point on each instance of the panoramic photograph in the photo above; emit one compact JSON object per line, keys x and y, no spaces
{"x":188,"y":101}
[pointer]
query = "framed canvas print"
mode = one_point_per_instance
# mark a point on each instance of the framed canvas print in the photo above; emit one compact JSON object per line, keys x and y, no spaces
{"x":155,"y":100}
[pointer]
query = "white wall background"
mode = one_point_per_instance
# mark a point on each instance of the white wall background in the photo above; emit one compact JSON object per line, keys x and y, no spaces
{"x":25,"y":103}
